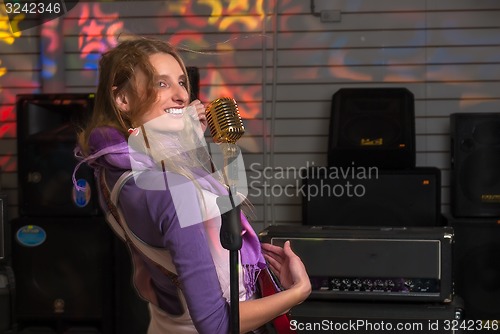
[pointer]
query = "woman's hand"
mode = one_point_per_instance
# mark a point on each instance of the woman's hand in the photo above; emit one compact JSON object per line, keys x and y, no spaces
{"x":291,"y":272}
{"x":200,"y":115}
{"x":288,"y":267}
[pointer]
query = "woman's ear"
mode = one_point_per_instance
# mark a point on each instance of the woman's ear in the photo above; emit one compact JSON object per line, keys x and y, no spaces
{"x":122,"y":102}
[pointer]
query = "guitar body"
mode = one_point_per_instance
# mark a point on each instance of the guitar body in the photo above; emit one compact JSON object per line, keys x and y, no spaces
{"x":269,"y":287}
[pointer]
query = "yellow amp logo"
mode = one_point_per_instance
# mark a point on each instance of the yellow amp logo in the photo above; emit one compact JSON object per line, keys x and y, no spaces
{"x":372,"y":142}
{"x":490,"y":198}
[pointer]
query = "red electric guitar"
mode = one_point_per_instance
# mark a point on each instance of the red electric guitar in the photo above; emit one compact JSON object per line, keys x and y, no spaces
{"x":268,"y":286}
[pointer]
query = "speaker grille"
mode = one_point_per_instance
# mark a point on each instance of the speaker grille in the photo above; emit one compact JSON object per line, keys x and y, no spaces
{"x":476,"y":269}
{"x":372,"y":127}
{"x":47,"y":126}
{"x":63,"y":268}
{"x":475,"y":167}
{"x":479,"y":176}
{"x":370,"y":124}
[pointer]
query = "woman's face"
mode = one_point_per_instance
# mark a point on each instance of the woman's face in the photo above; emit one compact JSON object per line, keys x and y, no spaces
{"x":172,"y":98}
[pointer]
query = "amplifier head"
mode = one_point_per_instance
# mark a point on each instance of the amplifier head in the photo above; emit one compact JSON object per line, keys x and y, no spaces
{"x":371,"y":262}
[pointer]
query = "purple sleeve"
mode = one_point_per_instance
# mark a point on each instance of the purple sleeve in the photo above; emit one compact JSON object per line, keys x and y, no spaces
{"x":192,"y":259}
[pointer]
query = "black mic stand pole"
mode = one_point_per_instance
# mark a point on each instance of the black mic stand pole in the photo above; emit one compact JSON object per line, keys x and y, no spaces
{"x":230,"y":232}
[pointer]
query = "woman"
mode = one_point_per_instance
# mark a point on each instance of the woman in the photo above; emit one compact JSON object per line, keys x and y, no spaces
{"x":143,"y":121}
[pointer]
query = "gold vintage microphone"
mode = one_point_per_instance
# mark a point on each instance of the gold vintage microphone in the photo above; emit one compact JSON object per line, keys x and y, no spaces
{"x":224,"y":120}
{"x":226,"y":127}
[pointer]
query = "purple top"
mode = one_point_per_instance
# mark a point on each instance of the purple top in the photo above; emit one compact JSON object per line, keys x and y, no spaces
{"x":151,"y":215}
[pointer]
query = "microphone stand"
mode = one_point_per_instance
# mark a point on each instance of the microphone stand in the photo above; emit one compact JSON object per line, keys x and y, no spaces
{"x":230,"y":232}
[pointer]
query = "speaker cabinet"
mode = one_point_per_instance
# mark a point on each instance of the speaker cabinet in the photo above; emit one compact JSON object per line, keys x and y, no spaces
{"x":475,"y":167}
{"x":46,"y":128}
{"x":476,"y":266}
{"x":194,"y":81}
{"x":372,"y":127}
{"x":348,"y":263}
{"x":7,"y":295}
{"x":132,"y":312}
{"x":360,"y":196}
{"x":64,"y":272}
{"x":4,"y":246}
{"x":376,"y":317}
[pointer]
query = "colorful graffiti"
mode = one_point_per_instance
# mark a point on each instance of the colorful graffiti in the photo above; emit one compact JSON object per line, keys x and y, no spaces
{"x":98,"y":25}
{"x":8,"y":31}
{"x":51,"y":43}
{"x":233,"y":43}
{"x":99,"y":31}
{"x":7,"y":117}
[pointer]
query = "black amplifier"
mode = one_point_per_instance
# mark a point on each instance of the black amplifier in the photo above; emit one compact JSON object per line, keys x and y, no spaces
{"x":372,"y":263}
{"x":395,"y":198}
{"x":7,"y":298}
{"x":363,"y":317}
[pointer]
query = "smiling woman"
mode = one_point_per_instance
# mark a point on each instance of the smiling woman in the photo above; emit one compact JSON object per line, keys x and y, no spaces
{"x":145,"y":141}
{"x":171,"y":85}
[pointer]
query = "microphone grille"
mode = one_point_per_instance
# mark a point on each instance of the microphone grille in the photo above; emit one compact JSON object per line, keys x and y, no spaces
{"x":224,"y":120}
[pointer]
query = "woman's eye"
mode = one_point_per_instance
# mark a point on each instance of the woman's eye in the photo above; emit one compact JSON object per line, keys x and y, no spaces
{"x":182,"y":83}
{"x":162,"y":84}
